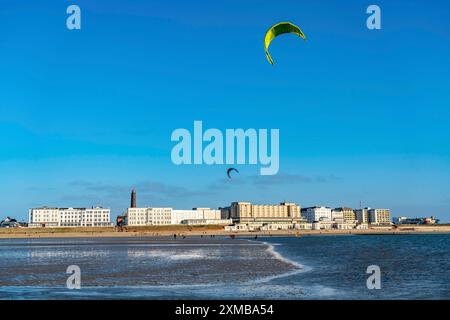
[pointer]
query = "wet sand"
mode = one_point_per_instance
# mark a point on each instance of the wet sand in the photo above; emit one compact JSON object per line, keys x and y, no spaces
{"x":116,"y":262}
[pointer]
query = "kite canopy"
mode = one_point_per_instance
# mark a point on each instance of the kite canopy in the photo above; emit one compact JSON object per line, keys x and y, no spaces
{"x":276,"y":30}
{"x":229,"y":171}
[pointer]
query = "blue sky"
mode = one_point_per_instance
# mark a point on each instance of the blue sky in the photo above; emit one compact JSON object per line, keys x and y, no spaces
{"x":86,"y":115}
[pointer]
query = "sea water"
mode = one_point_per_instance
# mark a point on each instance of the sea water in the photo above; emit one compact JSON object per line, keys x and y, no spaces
{"x":308,"y":267}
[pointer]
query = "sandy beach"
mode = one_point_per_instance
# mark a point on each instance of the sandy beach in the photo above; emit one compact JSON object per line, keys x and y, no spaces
{"x":208,"y":231}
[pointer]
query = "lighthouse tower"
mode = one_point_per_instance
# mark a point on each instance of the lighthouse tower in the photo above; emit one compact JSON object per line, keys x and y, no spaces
{"x":133,"y":198}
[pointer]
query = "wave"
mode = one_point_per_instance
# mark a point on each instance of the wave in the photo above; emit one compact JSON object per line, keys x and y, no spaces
{"x":298,"y":267}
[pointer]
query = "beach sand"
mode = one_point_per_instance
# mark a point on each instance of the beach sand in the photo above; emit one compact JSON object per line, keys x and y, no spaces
{"x":206,"y":231}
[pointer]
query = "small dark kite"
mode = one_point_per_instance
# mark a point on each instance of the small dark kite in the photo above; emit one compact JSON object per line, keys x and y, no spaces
{"x":229,"y":171}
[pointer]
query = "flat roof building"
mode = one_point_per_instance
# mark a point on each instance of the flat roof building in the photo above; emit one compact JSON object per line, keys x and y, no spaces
{"x":69,"y":217}
{"x":314,"y":214}
{"x":380,"y":216}
{"x":247,"y":212}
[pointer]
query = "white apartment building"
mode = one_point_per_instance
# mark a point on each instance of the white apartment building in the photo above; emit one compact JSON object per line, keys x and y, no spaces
{"x":337,"y":215}
{"x":137,"y":216}
{"x":149,"y":216}
{"x":160,"y":216}
{"x":210,"y":214}
{"x":69,"y":217}
{"x":313,"y":214}
{"x":96,"y":217}
{"x":178,"y":216}
{"x":43,"y":217}
{"x":182,"y":216}
{"x":166,"y":216}
{"x":380,"y":216}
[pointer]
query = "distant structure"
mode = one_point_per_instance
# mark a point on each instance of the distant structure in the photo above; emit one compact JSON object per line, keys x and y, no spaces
{"x":9,"y":223}
{"x":133,"y":199}
{"x":406,"y":220}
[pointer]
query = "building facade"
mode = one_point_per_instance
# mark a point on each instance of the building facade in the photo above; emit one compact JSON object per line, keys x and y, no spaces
{"x":167,"y":216}
{"x":137,"y":216}
{"x":314,"y":214}
{"x":379,"y":216}
{"x":69,"y":217}
{"x":182,"y":216}
{"x":244,"y":212}
{"x":362,"y":215}
{"x":337,"y":215}
{"x":149,"y":216}
{"x":347,"y":213}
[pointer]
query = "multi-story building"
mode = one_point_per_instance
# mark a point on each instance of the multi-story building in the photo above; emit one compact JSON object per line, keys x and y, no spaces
{"x":209,"y":214}
{"x":348,"y":214}
{"x":160,"y":216}
{"x":182,"y":216}
{"x":245,"y":212}
{"x":149,"y":216}
{"x":380,"y":216}
{"x":43,"y":217}
{"x":95,"y":217}
{"x":137,"y":216}
{"x":314,"y":214}
{"x":225,"y":212}
{"x":362,"y":215}
{"x":69,"y":217}
{"x":337,"y":215}
{"x":166,"y":216}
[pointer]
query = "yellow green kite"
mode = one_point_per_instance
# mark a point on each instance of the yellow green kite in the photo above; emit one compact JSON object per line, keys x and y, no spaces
{"x":276,"y":30}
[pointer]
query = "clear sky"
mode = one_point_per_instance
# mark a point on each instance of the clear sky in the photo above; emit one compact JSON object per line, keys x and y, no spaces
{"x":85,"y":115}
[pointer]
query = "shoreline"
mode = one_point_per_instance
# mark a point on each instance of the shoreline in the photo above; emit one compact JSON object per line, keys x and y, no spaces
{"x":209,"y":232}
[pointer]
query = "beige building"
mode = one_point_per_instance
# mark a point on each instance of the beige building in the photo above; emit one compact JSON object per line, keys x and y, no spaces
{"x":347,"y":213}
{"x":380,"y":216}
{"x":247,"y":212}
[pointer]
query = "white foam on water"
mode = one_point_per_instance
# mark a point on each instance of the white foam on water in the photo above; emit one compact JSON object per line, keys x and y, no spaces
{"x":67,"y":254}
{"x":168,"y":255}
{"x":193,"y":254}
{"x":298,"y":267}
{"x":322,"y":291}
{"x":277,"y":255}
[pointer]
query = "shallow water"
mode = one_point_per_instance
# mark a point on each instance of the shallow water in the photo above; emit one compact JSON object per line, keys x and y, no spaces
{"x":310,"y":267}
